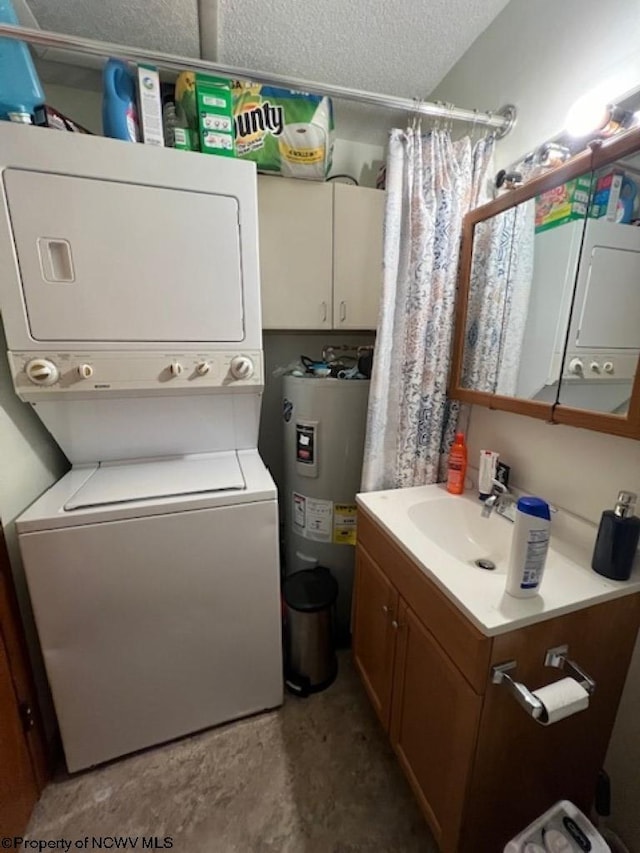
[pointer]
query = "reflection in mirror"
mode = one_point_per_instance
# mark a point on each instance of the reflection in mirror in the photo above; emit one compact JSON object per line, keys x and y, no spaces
{"x":603,"y":340}
{"x":501,"y":272}
{"x":523,"y":270}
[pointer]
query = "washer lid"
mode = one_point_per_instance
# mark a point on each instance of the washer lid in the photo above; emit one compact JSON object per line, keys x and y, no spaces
{"x":119,"y":482}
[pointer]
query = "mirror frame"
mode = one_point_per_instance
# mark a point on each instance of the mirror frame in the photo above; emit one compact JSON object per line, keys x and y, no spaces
{"x":599,"y":154}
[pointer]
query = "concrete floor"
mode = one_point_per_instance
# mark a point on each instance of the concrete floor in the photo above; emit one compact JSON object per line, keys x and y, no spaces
{"x":316,"y":776}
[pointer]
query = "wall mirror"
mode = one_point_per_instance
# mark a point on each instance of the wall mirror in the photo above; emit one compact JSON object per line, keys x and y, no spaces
{"x":548,"y":304}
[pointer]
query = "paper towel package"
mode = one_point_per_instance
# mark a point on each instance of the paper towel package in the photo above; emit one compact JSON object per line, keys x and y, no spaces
{"x":284,"y":132}
{"x":562,"y":827}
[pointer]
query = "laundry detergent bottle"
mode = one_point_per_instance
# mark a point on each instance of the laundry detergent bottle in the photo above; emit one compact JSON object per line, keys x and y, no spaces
{"x":21,"y":95}
{"x":119,"y":113}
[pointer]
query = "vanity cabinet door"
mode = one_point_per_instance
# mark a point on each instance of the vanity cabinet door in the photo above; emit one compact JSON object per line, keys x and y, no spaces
{"x":527,"y":767}
{"x":374,"y":634}
{"x":434,"y":725}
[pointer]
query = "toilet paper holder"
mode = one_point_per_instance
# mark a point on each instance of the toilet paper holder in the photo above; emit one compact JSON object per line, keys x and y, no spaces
{"x":555,"y":657}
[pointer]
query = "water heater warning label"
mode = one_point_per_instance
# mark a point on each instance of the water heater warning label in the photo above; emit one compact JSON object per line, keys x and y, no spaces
{"x":344,"y":524}
{"x":312,"y":518}
{"x":324,"y":521}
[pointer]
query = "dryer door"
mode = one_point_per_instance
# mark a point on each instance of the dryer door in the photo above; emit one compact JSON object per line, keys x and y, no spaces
{"x":102,"y":261}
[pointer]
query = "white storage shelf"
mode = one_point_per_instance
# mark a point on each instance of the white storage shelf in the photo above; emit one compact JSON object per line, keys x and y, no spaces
{"x":320,"y":254}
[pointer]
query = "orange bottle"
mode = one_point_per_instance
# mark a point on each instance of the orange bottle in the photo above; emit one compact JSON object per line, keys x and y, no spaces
{"x":457,"y":467}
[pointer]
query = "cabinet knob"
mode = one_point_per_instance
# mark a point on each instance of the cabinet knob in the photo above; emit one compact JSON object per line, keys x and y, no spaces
{"x":385,"y":609}
{"x":343,"y":311}
{"x":395,"y":624}
{"x":323,"y":307}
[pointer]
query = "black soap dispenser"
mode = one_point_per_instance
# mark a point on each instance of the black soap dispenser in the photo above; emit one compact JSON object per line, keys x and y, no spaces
{"x":617,"y":539}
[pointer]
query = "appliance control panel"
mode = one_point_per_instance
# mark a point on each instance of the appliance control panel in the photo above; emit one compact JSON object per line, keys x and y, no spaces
{"x":38,"y":375}
{"x":599,"y":364}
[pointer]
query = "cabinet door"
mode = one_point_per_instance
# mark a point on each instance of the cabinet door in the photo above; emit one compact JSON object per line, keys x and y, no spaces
{"x":358,"y":217}
{"x":294,"y":219}
{"x":434,"y":726}
{"x":375,"y":611}
{"x":527,"y":767}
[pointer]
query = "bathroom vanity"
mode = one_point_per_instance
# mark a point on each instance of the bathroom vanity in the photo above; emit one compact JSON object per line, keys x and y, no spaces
{"x":428,"y":628}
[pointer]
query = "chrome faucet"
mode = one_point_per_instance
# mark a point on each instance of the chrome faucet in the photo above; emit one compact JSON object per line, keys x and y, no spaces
{"x":500,"y":495}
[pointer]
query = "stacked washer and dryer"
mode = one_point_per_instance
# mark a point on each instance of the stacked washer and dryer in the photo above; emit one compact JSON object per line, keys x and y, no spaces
{"x":131,"y":303}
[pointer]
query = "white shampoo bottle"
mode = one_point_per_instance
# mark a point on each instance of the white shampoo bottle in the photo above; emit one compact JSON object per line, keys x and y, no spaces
{"x":529,"y":547}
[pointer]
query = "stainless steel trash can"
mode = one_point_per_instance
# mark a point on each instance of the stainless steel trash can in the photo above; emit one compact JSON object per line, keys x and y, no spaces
{"x":310,"y":658}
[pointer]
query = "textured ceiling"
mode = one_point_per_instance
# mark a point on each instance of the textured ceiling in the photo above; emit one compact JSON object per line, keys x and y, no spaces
{"x":402,"y":47}
{"x":167,"y":25}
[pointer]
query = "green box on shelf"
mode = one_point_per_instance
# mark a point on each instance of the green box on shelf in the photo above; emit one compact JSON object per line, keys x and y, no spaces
{"x":563,"y":204}
{"x":214,"y":103}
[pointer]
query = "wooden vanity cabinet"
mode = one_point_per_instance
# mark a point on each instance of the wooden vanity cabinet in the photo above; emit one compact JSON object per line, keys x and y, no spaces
{"x":433,"y":725}
{"x":375,"y":621}
{"x":480,"y":768}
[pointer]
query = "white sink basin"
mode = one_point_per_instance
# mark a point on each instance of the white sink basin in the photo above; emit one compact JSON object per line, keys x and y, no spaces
{"x":445,"y":534}
{"x":457,"y":526}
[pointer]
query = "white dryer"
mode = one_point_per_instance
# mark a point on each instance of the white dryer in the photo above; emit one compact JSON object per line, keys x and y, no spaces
{"x":131,"y":302}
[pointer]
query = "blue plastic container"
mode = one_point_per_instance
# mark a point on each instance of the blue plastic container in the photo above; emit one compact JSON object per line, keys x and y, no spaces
{"x":21,"y":95}
{"x":119,"y":113}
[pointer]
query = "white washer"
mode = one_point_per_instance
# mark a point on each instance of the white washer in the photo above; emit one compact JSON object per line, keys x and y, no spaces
{"x":130,"y":295}
{"x":155,"y":616}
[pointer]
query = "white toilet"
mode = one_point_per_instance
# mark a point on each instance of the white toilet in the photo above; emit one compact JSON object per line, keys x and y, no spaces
{"x":561,"y":829}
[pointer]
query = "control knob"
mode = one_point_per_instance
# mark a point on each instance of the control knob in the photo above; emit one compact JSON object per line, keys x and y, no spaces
{"x":576,"y":367}
{"x":608,"y":367}
{"x":85,"y":371}
{"x":594,"y":367}
{"x":241,"y":367}
{"x":42,"y":371}
{"x":175,"y":368}
{"x":202,"y":368}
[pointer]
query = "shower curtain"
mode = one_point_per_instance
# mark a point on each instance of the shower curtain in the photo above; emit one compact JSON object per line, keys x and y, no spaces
{"x":499,"y":290}
{"x":431,"y":183}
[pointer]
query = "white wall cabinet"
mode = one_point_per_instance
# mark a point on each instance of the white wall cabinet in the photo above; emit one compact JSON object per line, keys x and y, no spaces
{"x":295,"y":220}
{"x":320,"y":254}
{"x":358,"y":217}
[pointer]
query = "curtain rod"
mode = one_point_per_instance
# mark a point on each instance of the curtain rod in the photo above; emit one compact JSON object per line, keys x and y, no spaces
{"x":502,"y":120}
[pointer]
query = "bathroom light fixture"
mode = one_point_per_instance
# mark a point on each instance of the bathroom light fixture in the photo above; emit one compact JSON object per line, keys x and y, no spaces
{"x":589,"y":116}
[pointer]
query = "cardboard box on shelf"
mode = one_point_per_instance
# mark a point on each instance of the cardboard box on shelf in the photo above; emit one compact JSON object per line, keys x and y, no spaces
{"x":150,"y":105}
{"x":563,"y":204}
{"x":215,"y":115}
{"x":606,"y":196}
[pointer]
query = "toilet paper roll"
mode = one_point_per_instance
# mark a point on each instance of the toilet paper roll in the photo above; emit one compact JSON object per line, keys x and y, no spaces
{"x":561,"y":699}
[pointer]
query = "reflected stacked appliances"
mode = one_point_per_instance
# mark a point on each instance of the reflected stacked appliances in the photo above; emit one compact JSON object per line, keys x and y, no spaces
{"x":131,"y":303}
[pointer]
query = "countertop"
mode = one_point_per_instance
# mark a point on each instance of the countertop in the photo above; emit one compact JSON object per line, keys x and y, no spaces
{"x":568,"y":583}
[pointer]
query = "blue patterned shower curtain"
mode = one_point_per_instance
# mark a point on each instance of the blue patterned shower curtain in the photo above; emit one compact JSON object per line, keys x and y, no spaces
{"x":431,"y":183}
{"x":499,"y":290}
